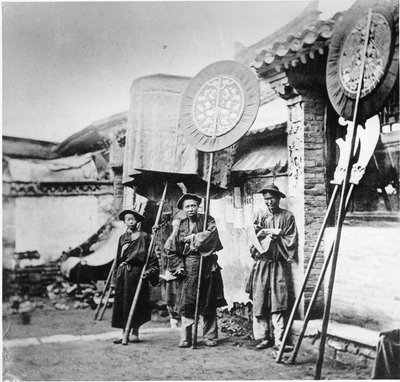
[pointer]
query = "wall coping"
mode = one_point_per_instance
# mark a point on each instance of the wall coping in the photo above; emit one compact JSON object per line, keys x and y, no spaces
{"x":351,"y":333}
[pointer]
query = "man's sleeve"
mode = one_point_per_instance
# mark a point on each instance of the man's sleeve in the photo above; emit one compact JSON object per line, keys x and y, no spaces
{"x":153,"y":267}
{"x":287,"y":244}
{"x":174,"y":256}
{"x":117,"y":261}
{"x":208,"y":241}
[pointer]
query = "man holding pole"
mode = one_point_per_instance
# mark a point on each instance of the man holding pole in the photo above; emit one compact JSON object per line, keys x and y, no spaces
{"x":190,"y":241}
{"x":268,"y":281}
{"x":131,"y":257}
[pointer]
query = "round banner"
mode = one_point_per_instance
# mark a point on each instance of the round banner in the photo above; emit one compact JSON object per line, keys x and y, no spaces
{"x":381,"y":65}
{"x":219,"y":105}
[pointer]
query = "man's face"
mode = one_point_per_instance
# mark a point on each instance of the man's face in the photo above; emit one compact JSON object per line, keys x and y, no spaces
{"x":190,"y":207}
{"x":272,"y":201}
{"x":130,"y":221}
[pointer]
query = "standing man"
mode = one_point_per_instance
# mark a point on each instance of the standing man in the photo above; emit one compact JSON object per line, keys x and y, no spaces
{"x":268,"y":281}
{"x":131,"y":257}
{"x":189,"y":242}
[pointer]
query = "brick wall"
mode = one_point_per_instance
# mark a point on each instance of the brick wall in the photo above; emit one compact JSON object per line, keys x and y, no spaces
{"x":314,"y":187}
{"x":31,"y":280}
{"x":307,"y":179}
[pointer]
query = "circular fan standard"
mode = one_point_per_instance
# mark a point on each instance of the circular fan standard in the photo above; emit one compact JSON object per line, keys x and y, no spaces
{"x":344,"y":59}
{"x":219,"y":105}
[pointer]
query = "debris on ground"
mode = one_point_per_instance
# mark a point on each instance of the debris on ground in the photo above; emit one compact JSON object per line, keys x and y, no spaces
{"x":237,"y":321}
{"x":60,"y":295}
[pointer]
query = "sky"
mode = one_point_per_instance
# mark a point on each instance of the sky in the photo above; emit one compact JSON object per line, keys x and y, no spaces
{"x":68,"y":64}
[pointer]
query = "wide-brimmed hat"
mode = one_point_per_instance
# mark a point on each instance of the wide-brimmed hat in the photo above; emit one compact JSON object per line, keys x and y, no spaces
{"x":273,"y":190}
{"x":184,"y":197}
{"x":139,"y":217}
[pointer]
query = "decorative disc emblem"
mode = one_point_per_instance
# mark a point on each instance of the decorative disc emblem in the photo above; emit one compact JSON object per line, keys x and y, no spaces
{"x":344,"y":62}
{"x":377,"y":55}
{"x":218,"y":106}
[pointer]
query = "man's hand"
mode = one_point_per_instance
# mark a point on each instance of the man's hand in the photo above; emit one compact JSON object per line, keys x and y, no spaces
{"x":146,"y":274}
{"x":188,"y":239}
{"x":270,"y":231}
{"x":180,"y":273}
{"x":156,"y":228}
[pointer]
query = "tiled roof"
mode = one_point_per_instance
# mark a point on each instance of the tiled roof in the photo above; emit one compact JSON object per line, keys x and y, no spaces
{"x":297,"y":47}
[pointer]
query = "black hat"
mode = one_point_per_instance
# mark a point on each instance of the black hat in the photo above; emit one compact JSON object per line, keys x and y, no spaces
{"x":188,"y":196}
{"x":138,"y":216}
{"x":273,"y":190}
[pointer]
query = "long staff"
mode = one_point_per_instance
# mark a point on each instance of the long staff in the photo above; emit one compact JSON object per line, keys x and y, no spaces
{"x":316,"y":291}
{"x":105,"y":303}
{"x":340,"y":219}
{"x":307,"y":275}
{"x":108,"y":282}
{"x":206,"y":210}
{"x":139,"y":286}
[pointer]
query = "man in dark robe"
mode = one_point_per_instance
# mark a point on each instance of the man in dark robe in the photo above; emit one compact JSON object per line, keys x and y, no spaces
{"x":131,"y":257}
{"x":189,"y":242}
{"x":268,"y":281}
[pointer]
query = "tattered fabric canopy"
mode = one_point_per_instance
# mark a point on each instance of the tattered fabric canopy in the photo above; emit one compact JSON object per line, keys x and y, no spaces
{"x":154,"y":141}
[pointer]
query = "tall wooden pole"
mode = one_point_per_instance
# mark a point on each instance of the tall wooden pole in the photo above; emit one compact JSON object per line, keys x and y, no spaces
{"x":206,"y":212}
{"x":139,"y":286}
{"x":316,"y":291}
{"x":107,"y":284}
{"x":307,"y":275}
{"x":340,"y":219}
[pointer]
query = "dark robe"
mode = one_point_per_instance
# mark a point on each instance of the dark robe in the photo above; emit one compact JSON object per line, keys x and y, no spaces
{"x":131,"y":257}
{"x":268,"y":282}
{"x":187,"y":256}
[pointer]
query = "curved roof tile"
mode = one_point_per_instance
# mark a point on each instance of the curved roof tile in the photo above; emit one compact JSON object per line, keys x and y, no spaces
{"x":298,"y":46}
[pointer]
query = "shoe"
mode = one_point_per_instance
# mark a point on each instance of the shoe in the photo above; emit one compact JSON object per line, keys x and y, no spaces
{"x":287,"y":349}
{"x":117,"y":341}
{"x":210,"y":343}
{"x":134,"y":340}
{"x":184,"y":344}
{"x":265,"y":344}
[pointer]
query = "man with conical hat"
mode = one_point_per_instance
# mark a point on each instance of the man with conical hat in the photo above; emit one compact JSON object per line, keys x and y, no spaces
{"x":268,"y":282}
{"x":131,"y":257}
{"x":190,"y":241}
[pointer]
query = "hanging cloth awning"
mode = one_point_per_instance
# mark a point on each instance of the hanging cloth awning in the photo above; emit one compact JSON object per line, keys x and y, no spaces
{"x":263,"y":160}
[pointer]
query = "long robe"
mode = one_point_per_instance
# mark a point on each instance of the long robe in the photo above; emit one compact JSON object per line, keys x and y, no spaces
{"x":268,"y":282}
{"x":187,"y":256}
{"x":131,"y":257}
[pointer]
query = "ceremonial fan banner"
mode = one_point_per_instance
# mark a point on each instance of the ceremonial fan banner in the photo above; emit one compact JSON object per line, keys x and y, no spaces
{"x":345,"y":57}
{"x":218,"y":107}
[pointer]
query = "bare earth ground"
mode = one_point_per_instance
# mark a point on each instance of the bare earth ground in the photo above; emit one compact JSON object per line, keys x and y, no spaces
{"x":157,"y":357}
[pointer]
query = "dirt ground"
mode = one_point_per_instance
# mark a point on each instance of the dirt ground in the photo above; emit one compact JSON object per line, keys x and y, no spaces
{"x":157,"y":357}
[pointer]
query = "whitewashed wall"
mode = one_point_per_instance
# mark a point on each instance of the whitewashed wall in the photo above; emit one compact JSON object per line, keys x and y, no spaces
{"x":51,"y":225}
{"x":367,"y":283}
